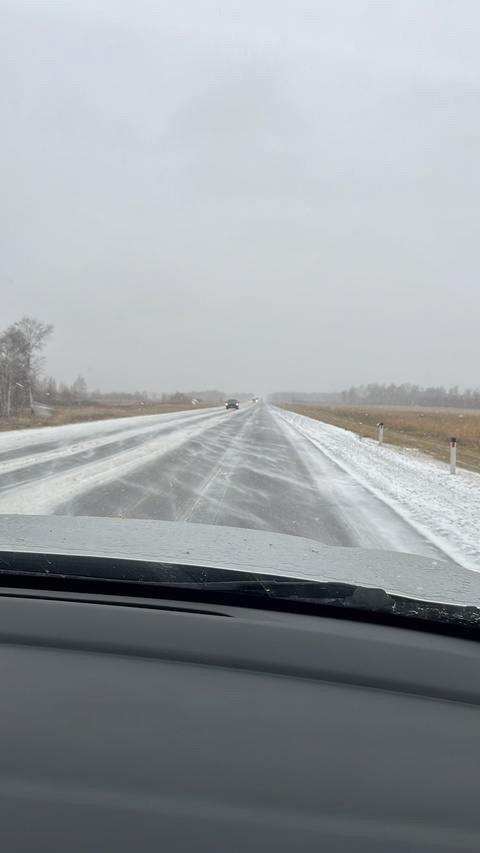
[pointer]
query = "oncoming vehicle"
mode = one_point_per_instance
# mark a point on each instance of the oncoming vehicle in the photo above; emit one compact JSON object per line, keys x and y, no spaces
{"x":232,"y":404}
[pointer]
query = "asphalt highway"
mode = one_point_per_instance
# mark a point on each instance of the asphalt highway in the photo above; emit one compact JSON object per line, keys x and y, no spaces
{"x":243,"y":468}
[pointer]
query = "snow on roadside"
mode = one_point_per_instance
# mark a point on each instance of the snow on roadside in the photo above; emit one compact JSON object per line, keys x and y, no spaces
{"x":66,"y":448}
{"x":17,"y":439}
{"x":41,"y":496}
{"x":444,"y":508}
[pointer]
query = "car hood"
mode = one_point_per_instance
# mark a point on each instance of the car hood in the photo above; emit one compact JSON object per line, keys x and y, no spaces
{"x":188,"y":544}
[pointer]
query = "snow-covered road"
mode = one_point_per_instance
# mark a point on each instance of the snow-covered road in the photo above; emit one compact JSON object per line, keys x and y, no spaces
{"x":258,"y":468}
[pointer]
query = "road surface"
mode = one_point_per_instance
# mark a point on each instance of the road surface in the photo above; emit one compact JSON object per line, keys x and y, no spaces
{"x":245,"y":468}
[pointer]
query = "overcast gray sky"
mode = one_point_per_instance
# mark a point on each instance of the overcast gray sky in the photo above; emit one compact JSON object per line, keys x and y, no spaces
{"x":259,"y":194}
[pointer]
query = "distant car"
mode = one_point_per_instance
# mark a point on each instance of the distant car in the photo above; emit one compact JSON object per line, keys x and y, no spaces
{"x":254,"y":399}
{"x":232,"y":404}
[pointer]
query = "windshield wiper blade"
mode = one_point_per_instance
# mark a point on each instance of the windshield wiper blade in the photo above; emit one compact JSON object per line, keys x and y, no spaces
{"x":377,"y":600}
{"x":227,"y":586}
{"x":172,"y":576}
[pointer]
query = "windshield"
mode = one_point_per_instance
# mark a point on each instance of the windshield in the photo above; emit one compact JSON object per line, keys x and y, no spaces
{"x":268,"y":207}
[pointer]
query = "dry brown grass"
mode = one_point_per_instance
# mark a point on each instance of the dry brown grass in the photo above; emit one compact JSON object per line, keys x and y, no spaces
{"x":94,"y":412}
{"x":426,"y":429}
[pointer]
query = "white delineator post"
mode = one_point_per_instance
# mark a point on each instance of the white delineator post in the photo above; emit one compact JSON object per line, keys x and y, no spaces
{"x":380,"y":432}
{"x":453,"y":456}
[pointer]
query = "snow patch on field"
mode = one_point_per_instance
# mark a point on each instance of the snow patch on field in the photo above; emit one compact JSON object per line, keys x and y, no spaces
{"x":442,"y":507}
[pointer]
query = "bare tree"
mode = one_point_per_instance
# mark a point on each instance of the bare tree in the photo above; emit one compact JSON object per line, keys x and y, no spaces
{"x":64,"y":394}
{"x":79,"y":389}
{"x":12,"y":374}
{"x":51,"y":392}
{"x":33,"y":335}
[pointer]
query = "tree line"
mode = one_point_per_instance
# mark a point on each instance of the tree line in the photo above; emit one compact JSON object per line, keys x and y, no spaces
{"x":412,"y":395}
{"x":375,"y":394}
{"x":304,"y":397}
{"x":22,"y":384}
{"x":49,"y":391}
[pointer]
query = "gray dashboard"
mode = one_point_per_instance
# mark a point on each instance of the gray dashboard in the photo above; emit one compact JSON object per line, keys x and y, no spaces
{"x":139,"y":726}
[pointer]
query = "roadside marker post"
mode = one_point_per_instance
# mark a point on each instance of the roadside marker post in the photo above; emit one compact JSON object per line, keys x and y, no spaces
{"x":453,"y":455}
{"x":381,"y":427}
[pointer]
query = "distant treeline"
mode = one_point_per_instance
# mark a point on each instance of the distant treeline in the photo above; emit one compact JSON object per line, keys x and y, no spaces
{"x":304,"y":397}
{"x":392,"y":395}
{"x":49,"y":392}
{"x":412,"y":395}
